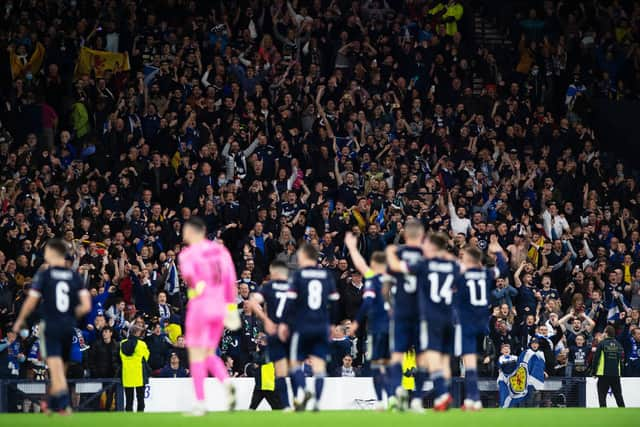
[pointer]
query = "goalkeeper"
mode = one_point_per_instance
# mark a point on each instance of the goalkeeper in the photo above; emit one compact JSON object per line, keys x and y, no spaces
{"x":208,"y":269}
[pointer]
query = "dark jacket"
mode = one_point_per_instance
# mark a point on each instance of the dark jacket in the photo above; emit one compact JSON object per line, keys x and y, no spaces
{"x":169,"y":372}
{"x":104,"y":361}
{"x":158,"y":349}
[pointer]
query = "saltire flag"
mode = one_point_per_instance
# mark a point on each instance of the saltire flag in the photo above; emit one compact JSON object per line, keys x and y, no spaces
{"x":615,"y":306}
{"x":380,"y":217}
{"x":99,"y":61}
{"x":518,"y":386}
{"x":171,"y":284}
{"x":150,"y":72}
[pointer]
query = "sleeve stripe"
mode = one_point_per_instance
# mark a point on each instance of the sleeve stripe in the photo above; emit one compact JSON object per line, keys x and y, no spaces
{"x":292,"y":294}
{"x":369,"y":294}
{"x":334,"y":296}
{"x":34,"y":293}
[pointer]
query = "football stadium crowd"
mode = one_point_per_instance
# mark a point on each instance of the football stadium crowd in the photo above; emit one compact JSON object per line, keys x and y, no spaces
{"x":287,"y":122}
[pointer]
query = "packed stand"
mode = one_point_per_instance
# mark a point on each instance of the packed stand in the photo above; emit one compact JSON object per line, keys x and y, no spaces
{"x":280,"y":123}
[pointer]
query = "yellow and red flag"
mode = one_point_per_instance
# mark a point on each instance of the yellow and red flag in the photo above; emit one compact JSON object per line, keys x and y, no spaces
{"x":100,"y":61}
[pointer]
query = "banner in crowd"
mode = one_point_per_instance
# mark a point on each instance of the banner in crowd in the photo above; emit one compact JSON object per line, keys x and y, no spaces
{"x":517,"y":387}
{"x":100,"y":61}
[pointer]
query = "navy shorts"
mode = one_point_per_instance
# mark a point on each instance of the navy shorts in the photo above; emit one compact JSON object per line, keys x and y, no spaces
{"x":378,"y":346}
{"x":276,"y":349}
{"x":466,"y":339}
{"x":303,"y":345}
{"x":436,"y":335}
{"x":55,"y":340}
{"x":403,"y":335}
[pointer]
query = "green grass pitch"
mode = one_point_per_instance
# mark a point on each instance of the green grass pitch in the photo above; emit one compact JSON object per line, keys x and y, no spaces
{"x":543,"y":417}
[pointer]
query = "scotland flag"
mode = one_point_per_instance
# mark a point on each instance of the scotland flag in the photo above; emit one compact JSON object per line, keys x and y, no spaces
{"x":517,"y":387}
{"x":171,"y":284}
{"x":615,"y":305}
{"x":380,"y":217}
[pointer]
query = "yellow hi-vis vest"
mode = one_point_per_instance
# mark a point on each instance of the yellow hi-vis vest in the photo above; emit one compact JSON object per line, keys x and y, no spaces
{"x":408,"y":362}
{"x":268,"y":376}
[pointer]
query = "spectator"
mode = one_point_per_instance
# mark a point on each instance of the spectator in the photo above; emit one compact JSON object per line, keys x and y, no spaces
{"x":158,"y":346}
{"x":339,"y":346}
{"x":174,"y":369}
{"x":578,"y":352}
{"x":104,"y":361}
{"x":347,"y":369}
{"x":630,"y":339}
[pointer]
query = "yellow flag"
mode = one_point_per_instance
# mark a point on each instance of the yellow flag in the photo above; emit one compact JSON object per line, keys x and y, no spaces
{"x":100,"y":61}
{"x":32,"y":65}
{"x":532,"y":254}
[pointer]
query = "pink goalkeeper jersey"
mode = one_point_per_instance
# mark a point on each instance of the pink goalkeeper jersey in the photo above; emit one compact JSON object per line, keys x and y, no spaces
{"x":211,"y":263}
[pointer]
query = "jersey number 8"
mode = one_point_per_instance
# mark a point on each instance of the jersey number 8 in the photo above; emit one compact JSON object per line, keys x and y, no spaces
{"x":314,"y":300}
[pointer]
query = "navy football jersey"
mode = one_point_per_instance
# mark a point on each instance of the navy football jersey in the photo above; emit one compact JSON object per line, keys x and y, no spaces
{"x":311,"y":291}
{"x":374,"y":307}
{"x":405,"y":301}
{"x":437,"y":281}
{"x":551,"y":293}
{"x":58,"y":289}
{"x":473,"y":295}
{"x":275,"y":294}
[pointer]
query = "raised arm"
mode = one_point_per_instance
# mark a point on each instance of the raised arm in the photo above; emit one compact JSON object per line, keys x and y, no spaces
{"x":516,"y":275}
{"x":393,"y":262}
{"x":351,"y":242}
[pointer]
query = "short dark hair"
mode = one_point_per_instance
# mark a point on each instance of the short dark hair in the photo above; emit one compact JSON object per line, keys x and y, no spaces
{"x":309,"y":251}
{"x":59,"y":246}
{"x":474,"y":253}
{"x":197,"y":224}
{"x":278,"y":264}
{"x":379,"y":257}
{"x":439,"y":240}
{"x":610,"y":331}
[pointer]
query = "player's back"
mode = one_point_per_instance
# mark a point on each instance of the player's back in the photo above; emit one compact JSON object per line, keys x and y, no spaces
{"x":472,"y":296}
{"x":405,"y":301}
{"x":312,"y":289}
{"x":377,"y":315}
{"x":275,"y":294}
{"x":58,"y":288}
{"x":209,"y":263}
{"x":437,"y":281}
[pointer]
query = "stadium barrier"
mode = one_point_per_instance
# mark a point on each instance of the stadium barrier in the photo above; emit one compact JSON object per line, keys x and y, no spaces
{"x":86,"y":395}
{"x":176,"y":394}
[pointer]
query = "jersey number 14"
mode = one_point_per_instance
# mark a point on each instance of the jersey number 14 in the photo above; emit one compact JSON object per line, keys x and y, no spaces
{"x":439,"y":292}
